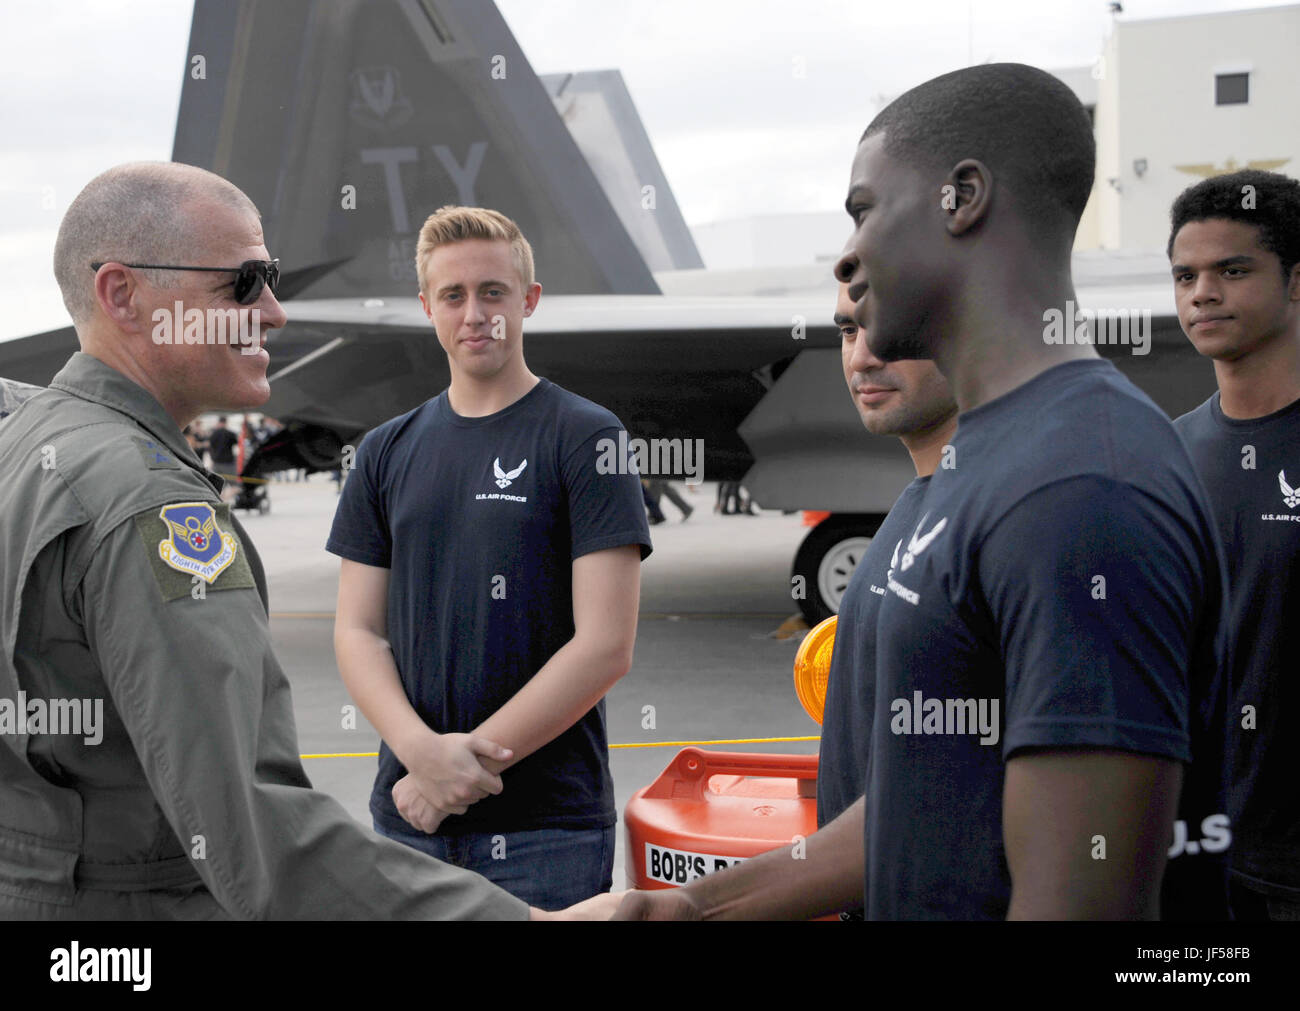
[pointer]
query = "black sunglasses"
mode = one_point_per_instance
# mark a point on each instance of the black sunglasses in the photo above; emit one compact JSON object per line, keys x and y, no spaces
{"x":253,"y":276}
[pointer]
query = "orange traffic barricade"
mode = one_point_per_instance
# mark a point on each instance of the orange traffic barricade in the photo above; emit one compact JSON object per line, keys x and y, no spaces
{"x":711,"y":809}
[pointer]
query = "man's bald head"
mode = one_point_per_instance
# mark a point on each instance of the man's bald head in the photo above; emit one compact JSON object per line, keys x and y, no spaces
{"x":140,"y":212}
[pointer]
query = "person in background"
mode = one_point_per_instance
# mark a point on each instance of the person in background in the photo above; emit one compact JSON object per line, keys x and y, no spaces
{"x":656,"y":489}
{"x":221,"y":449}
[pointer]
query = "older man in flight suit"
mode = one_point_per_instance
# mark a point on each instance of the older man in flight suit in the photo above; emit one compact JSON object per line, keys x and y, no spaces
{"x":124,"y":580}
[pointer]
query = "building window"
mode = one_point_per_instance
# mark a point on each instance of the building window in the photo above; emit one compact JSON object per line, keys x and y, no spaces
{"x":1231,"y":89}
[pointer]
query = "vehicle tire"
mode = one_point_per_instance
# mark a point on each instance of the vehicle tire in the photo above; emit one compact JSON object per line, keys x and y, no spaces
{"x":826,"y":560}
{"x":264,"y":506}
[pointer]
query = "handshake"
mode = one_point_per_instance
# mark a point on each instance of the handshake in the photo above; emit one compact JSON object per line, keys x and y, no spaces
{"x":670,"y":904}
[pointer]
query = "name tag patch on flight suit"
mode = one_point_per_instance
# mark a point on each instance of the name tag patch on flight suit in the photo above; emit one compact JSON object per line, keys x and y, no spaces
{"x":186,"y":540}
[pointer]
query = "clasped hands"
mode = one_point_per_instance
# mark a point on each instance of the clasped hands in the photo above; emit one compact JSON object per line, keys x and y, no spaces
{"x":445,"y":775}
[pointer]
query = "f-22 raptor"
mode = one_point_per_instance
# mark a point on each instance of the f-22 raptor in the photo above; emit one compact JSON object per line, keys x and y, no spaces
{"x":348,"y":122}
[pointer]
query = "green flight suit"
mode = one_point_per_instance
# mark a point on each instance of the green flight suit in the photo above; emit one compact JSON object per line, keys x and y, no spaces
{"x":123,"y":579}
{"x":13,"y":394}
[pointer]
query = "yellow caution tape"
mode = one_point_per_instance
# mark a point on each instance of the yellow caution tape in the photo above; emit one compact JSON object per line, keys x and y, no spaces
{"x":345,"y":754}
{"x":642,"y":616}
{"x":648,"y":744}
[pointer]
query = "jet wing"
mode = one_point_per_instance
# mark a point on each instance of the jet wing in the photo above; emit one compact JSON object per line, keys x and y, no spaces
{"x":670,"y":368}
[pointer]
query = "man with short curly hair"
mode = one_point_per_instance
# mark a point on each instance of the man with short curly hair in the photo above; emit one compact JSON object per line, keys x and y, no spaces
{"x":1234,"y":250}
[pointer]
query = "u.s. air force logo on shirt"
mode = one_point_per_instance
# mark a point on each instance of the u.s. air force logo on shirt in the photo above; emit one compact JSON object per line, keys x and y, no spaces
{"x":192,"y":544}
{"x":504,"y":478}
{"x":915,"y":547}
{"x":196,"y":545}
{"x":1290,"y":497}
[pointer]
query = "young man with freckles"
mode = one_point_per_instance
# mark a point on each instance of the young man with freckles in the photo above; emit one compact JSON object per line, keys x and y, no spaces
{"x":489,"y":588}
{"x":1234,"y":250}
{"x":1063,"y":573}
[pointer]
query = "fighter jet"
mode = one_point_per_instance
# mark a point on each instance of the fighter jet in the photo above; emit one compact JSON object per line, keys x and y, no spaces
{"x":347,"y":122}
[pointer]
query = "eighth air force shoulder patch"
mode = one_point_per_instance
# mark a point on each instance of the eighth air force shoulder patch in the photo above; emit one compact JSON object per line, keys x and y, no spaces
{"x":187,"y":544}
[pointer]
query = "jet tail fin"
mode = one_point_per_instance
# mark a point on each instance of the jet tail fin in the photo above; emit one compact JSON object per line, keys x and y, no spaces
{"x":598,"y":110}
{"x":348,"y":122}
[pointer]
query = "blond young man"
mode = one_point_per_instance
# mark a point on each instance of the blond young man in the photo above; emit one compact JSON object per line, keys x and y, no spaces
{"x":489,"y":589}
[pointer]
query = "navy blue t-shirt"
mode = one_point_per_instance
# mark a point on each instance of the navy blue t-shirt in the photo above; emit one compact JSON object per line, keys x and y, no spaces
{"x":851,"y":684}
{"x":1062,"y":588}
{"x":479,"y":521}
{"x":1251,"y":469}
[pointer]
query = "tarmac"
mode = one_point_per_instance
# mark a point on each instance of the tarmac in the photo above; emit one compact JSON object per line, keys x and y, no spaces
{"x":713,"y":593}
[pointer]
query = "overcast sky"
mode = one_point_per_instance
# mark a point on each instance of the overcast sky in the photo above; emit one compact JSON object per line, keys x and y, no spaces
{"x":91,"y":83}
